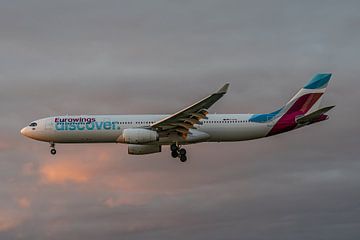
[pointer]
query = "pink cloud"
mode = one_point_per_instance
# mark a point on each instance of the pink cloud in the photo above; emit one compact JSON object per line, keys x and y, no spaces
{"x":23,"y":202}
{"x":64,"y":171}
{"x":73,"y":168}
{"x":8,"y":221}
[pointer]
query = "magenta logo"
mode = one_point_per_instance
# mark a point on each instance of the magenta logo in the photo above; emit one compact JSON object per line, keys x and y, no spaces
{"x":75,"y":120}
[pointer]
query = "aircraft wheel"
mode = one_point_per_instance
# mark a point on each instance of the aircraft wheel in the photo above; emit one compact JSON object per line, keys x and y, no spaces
{"x":183,"y":158}
{"x":182,"y":151}
{"x":174,"y":154}
{"x":174,"y":147}
{"x":53,"y":151}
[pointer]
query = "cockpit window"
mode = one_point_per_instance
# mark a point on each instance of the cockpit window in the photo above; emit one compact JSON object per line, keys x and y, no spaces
{"x":34,"y":124}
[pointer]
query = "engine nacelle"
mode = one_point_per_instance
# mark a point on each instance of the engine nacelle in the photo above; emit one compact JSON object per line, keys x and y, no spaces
{"x":139,"y":136}
{"x":135,"y":149}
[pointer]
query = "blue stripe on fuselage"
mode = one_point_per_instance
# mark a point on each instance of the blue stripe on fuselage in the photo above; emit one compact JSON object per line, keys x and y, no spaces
{"x":264,"y":117}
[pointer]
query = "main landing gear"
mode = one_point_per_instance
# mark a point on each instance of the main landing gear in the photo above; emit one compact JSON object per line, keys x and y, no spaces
{"x":52,"y":148}
{"x":176,"y":151}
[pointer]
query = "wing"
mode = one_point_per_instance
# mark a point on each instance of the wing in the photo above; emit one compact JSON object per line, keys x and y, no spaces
{"x":185,"y":119}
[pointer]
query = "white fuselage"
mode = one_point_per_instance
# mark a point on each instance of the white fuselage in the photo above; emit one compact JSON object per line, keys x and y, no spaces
{"x":108,"y":128}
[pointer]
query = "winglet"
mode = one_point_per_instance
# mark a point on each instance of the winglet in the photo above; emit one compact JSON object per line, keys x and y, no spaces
{"x":224,"y":89}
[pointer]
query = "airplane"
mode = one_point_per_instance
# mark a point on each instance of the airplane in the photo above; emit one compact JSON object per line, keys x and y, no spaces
{"x":146,"y":134}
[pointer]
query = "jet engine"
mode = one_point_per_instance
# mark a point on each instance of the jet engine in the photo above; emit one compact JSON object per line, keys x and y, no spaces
{"x":135,"y":149}
{"x":139,"y":136}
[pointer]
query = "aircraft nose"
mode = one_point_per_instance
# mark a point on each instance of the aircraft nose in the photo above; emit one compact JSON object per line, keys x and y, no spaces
{"x":23,"y":131}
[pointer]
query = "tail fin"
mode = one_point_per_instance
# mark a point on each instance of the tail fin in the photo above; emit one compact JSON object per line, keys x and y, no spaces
{"x":306,"y":101}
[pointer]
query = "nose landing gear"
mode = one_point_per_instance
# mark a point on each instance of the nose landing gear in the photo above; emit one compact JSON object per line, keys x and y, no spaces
{"x":177,"y":151}
{"x":52,"y":148}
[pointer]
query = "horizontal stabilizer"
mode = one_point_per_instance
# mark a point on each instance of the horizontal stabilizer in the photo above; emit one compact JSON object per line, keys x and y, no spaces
{"x":313,"y":117}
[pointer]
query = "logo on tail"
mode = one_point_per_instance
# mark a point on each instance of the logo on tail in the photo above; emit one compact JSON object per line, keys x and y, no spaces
{"x":304,"y":103}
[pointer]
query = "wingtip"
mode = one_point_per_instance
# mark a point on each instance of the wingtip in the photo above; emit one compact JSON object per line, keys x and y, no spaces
{"x":224,"y":88}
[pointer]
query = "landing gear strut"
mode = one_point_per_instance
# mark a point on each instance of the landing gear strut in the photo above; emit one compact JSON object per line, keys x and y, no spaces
{"x":177,"y":151}
{"x":52,"y":148}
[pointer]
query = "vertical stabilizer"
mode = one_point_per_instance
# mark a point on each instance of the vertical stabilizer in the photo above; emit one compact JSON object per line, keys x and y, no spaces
{"x":306,"y":101}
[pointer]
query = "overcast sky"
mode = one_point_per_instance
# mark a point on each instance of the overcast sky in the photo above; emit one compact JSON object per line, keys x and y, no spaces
{"x":141,"y":56}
